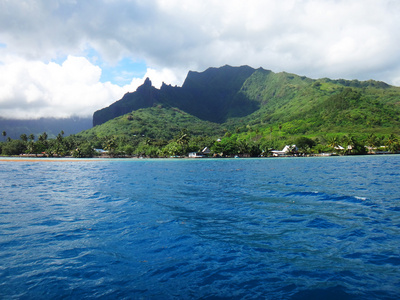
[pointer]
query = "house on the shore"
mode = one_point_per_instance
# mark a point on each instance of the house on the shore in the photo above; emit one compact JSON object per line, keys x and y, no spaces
{"x":206,"y":151}
{"x":101,"y":152}
{"x":288,"y":149}
{"x":377,"y":150}
{"x":196,"y":155}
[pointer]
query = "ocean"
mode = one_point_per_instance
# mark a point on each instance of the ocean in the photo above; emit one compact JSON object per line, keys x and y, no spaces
{"x":265,"y":228}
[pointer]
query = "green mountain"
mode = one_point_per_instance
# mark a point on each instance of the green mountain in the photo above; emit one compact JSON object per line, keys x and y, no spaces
{"x":213,"y":95}
{"x":154,"y":122}
{"x":243,"y":99}
{"x":322,"y":105}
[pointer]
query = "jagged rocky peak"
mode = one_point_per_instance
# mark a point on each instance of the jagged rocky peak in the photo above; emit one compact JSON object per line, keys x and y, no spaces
{"x":147,"y":82}
{"x":147,"y":85}
{"x":165,"y":86}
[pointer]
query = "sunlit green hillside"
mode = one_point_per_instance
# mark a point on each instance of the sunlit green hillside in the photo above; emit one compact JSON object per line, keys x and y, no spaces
{"x":243,"y":97}
{"x":249,"y":111}
{"x":154,"y":122}
{"x":300,"y":105}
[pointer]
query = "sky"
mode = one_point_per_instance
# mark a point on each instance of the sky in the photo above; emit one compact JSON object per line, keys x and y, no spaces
{"x":62,"y":58}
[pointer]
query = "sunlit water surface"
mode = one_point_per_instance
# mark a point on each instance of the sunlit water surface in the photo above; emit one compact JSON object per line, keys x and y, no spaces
{"x":296,"y":228}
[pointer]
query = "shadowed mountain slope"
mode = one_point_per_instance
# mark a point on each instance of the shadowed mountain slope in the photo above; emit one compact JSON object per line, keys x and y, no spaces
{"x":212,"y":95}
{"x":239,"y":98}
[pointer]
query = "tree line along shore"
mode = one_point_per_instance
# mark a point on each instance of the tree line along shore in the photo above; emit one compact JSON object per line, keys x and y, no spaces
{"x":229,"y":145}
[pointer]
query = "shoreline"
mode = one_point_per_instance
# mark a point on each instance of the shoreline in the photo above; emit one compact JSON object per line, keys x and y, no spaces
{"x":49,"y":159}
{"x":92,"y":159}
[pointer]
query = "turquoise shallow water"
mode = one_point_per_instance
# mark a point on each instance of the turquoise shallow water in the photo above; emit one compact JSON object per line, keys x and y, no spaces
{"x":296,"y":228}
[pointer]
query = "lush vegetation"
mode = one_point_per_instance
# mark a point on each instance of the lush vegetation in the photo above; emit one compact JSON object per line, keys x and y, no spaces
{"x":236,"y":111}
{"x":234,"y":96}
{"x":305,"y":106}
{"x":212,"y":95}
{"x":249,"y":143}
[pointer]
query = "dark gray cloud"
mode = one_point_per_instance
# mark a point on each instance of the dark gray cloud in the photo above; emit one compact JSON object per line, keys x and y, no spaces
{"x":303,"y":36}
{"x":353,"y":39}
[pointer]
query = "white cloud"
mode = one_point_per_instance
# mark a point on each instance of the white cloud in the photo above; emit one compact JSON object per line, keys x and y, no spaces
{"x":325,"y":38}
{"x":158,"y":77}
{"x":32,"y":89}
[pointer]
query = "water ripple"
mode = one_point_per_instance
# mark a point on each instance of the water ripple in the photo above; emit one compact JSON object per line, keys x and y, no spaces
{"x":232,"y":229}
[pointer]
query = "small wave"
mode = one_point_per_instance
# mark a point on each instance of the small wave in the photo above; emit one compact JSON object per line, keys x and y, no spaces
{"x":263,"y":250}
{"x":293,"y":220}
{"x":337,"y":292}
{"x":322,"y":223}
{"x":349,"y":199}
{"x":377,"y":259}
{"x":303,"y":194}
{"x":141,"y":230}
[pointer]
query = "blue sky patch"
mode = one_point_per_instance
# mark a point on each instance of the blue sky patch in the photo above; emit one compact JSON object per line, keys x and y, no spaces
{"x":123,"y":72}
{"x":120,"y":73}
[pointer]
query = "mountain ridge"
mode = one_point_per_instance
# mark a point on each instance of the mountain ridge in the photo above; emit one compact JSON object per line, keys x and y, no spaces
{"x":52,"y":126}
{"x":210,"y":103}
{"x":232,"y":96}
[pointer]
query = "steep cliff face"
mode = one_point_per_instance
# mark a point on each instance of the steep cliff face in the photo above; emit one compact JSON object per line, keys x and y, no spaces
{"x":224,"y":94}
{"x":145,"y":96}
{"x":212,"y":95}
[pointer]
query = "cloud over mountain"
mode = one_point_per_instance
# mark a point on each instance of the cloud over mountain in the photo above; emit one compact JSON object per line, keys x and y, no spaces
{"x":328,"y":38}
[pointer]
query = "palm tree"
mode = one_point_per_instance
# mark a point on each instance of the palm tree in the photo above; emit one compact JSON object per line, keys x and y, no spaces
{"x":24,"y":137}
{"x":43,"y":137}
{"x":242,"y":147}
{"x":348,"y":143}
{"x":110,"y":145}
{"x":392,"y":143}
{"x":372,"y":141}
{"x":4,"y":135}
{"x":333,"y":142}
{"x":183,"y":139}
{"x":60,"y":136}
{"x":31,"y":137}
{"x":58,"y":146}
{"x":31,"y":147}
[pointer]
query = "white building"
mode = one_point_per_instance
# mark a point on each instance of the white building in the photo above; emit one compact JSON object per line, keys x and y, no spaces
{"x":285,"y":151}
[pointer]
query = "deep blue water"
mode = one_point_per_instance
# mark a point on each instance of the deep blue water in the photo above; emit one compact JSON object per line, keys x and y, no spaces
{"x":295,"y":228}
